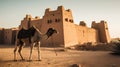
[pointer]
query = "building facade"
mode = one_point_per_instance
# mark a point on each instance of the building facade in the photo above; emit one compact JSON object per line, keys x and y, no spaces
{"x":8,"y":36}
{"x":69,"y":33}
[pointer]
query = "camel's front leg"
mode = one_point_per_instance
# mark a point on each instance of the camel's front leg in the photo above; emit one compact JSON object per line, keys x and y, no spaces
{"x":20,"y":49}
{"x":15,"y":52}
{"x":16,"y":47}
{"x":31,"y":48}
{"x":39,"y":55}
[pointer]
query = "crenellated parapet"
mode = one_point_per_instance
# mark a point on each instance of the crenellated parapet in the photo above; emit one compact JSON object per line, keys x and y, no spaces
{"x":102,"y":28}
{"x":82,"y":23}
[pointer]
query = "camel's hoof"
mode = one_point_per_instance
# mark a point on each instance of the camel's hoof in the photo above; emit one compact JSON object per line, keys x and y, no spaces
{"x":39,"y":60}
{"x":15,"y":60}
{"x":23,"y":59}
{"x":30,"y":60}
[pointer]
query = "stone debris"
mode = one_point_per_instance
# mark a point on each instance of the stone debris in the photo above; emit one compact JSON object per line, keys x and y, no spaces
{"x":77,"y":65}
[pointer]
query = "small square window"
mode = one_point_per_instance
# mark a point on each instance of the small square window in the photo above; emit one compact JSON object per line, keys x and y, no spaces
{"x":49,"y":21}
{"x":66,"y":19}
{"x":57,"y":20}
{"x":71,"y":20}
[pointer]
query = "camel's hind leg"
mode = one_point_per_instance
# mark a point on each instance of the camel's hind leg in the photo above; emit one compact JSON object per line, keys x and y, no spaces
{"x":20,"y":49}
{"x":39,"y":55}
{"x":16,"y":47}
{"x":31,"y":49}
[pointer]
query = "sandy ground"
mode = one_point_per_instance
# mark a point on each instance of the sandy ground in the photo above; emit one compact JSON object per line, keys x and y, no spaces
{"x":63,"y":58}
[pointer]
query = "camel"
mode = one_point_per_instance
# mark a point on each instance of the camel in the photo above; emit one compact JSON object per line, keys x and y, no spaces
{"x":31,"y":36}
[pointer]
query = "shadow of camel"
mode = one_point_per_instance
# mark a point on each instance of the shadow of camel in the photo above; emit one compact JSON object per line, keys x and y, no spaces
{"x":10,"y":61}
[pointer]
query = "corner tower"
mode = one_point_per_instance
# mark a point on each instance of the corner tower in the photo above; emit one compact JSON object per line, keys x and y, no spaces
{"x":69,"y":29}
{"x":62,"y":20}
{"x":103,"y":31}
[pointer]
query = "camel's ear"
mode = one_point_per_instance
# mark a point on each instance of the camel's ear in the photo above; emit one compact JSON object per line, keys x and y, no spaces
{"x":54,"y":30}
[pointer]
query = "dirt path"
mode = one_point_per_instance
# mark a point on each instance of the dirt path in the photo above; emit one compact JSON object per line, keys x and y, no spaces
{"x":63,"y":59}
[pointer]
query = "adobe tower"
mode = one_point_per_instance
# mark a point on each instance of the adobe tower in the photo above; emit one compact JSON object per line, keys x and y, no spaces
{"x":103,"y":31}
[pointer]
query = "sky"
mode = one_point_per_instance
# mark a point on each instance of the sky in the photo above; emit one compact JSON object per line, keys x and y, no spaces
{"x":13,"y":11}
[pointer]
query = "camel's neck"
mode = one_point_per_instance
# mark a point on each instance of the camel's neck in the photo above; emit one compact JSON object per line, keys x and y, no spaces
{"x":44,"y":37}
{"x":41,"y":35}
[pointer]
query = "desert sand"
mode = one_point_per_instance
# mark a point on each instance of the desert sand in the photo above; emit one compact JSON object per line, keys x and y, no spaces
{"x":63,"y":59}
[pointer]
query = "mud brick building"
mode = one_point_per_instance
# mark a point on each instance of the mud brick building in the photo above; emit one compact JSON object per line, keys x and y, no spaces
{"x":69,"y":33}
{"x":8,"y":36}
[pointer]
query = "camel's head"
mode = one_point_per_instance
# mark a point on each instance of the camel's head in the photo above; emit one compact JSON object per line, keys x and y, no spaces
{"x":51,"y":31}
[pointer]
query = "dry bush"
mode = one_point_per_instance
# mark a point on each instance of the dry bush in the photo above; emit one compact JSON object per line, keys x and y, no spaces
{"x":116,"y":49}
{"x":97,"y":47}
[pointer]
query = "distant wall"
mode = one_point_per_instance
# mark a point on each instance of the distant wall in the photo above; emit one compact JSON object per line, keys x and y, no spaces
{"x":14,"y":33}
{"x":1,"y":36}
{"x":7,"y":36}
{"x":86,"y":34}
